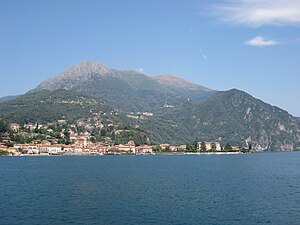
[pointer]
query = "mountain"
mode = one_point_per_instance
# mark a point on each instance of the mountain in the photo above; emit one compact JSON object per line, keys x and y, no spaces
{"x":169,"y":108}
{"x":298,"y":118}
{"x":229,"y":116}
{"x":8,"y":98}
{"x":125,"y":90}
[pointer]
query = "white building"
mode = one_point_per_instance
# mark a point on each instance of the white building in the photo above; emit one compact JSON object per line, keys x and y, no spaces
{"x":33,"y":149}
{"x":209,"y":146}
{"x":50,"y":149}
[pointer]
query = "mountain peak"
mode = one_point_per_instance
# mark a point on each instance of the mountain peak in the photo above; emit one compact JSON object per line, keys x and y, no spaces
{"x":87,"y":68}
{"x":173,"y":80}
{"x":80,"y":72}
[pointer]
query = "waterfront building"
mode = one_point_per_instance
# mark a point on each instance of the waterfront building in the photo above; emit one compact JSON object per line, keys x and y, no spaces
{"x":208,"y":146}
{"x":164,"y":146}
{"x":129,"y":147}
{"x":50,"y":149}
{"x":235,"y":148}
{"x":144,"y":149}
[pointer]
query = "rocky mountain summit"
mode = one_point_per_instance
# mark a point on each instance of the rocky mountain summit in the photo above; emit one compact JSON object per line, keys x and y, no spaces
{"x":71,"y":76}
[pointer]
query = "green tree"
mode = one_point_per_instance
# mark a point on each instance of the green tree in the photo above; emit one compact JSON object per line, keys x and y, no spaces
{"x":36,"y":130}
{"x":157,"y":149}
{"x":19,"y":139}
{"x":203,"y":146}
{"x":9,"y":144}
{"x":213,"y":146}
{"x":93,"y":139}
{"x":227,"y":147}
{"x":66,"y":134}
{"x":195,"y":145}
{"x":2,"y":152}
{"x":103,"y":132}
{"x":3,"y":126}
{"x":189,"y":147}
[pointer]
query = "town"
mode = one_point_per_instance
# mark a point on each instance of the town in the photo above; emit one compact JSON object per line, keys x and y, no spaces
{"x":42,"y":140}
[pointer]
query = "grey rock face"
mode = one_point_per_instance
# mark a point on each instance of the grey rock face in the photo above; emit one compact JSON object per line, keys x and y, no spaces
{"x":74,"y":75}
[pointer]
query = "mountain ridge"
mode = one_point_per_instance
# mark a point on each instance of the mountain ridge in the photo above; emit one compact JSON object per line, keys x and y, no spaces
{"x":173,"y":80}
{"x":8,"y":98}
{"x":126,"y":90}
{"x":86,"y":69}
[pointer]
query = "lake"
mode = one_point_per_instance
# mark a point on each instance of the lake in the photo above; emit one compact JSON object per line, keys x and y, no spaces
{"x":261,"y":188}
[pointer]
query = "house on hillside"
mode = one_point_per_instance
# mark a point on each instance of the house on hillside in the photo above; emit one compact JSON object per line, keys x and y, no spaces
{"x":15,"y":127}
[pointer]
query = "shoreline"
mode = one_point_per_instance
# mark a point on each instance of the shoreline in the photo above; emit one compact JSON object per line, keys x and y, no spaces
{"x":145,"y":154}
{"x":154,"y":154}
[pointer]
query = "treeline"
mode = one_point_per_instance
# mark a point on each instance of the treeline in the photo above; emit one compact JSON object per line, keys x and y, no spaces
{"x":4,"y":126}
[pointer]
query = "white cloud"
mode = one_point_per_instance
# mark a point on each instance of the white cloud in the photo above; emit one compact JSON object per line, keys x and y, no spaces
{"x":258,"y":12}
{"x":140,"y":70}
{"x":203,"y":55}
{"x":260,"y":41}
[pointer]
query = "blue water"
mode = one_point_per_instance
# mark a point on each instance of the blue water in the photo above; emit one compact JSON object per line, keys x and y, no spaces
{"x":208,"y":189}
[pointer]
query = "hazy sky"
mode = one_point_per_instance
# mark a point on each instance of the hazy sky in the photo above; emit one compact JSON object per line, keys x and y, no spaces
{"x":252,"y":45}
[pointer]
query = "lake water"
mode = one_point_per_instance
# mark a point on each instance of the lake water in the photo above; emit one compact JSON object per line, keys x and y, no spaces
{"x":203,"y":189}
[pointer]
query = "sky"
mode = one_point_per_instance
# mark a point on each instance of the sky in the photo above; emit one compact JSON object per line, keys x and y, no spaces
{"x":251,"y":45}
